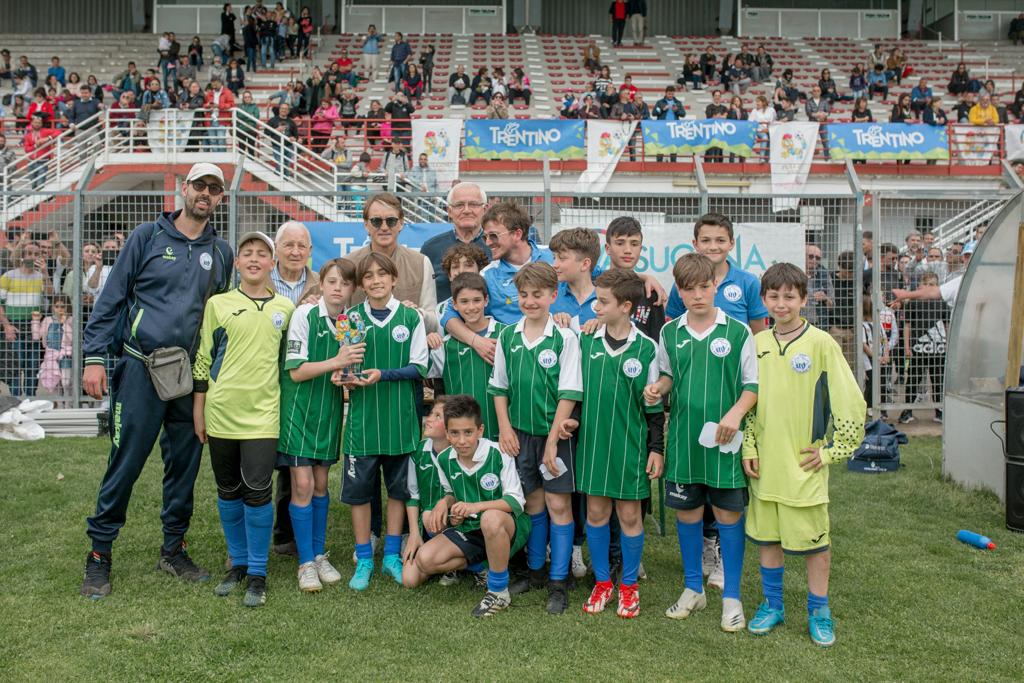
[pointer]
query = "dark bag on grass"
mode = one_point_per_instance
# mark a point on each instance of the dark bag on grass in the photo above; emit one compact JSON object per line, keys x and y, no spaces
{"x":879,"y":451}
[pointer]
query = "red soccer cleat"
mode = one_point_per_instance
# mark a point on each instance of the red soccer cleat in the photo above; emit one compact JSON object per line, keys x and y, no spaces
{"x":629,"y":601}
{"x":599,"y":597}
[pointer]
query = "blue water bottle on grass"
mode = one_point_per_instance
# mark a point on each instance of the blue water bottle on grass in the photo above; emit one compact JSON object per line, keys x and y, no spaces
{"x":977,"y":540}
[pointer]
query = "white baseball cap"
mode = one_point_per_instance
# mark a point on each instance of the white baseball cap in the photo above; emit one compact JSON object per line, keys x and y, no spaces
{"x":256,"y":235}
{"x":204,"y":168}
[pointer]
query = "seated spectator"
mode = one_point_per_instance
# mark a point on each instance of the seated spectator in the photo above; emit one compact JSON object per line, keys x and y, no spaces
{"x":345,"y":69}
{"x":97,"y":90}
{"x":989,"y":87}
{"x":185,"y":69}
{"x":323,"y":121}
{"x":896,"y":65}
{"x":858,"y":84}
{"x":336,"y":153}
{"x":934,"y":115}
{"x":828,"y":87}
{"x":129,"y":79}
{"x":609,"y":98}
{"x":6,"y":70}
{"x":708,"y":60}
{"x":589,"y":109}
{"x":602,"y":82}
{"x":920,"y":95}
{"x":876,"y":57}
{"x":195,"y":53}
{"x":984,"y":112}
{"x":22,"y":87}
{"x":412,"y":84}
{"x":421,"y":176}
{"x":724,"y":71}
{"x":592,"y":57}
{"x":347,"y":109}
{"x":218,"y":70}
{"x":961,"y":81}
{"x":27,"y":71}
{"x":74,"y":80}
{"x":963,"y":107}
{"x":519,"y":86}
{"x":788,"y":86}
{"x":56,"y":70}
{"x":1000,"y":108}
{"x":901,"y":111}
{"x":692,"y":73}
{"x":642,"y":110}
{"x":570,"y":108}
{"x":41,"y":106}
{"x":458,"y":86}
{"x":498,"y":108}
{"x":1016,"y":33}
{"x":763,"y":64}
{"x":373,"y":119}
{"x":623,"y":110}
{"x":480,"y":87}
{"x":878,"y":82}
{"x":498,"y":84}
{"x":861,"y":113}
{"x":816,"y":106}
{"x":740,"y":77}
{"x":234,"y":77}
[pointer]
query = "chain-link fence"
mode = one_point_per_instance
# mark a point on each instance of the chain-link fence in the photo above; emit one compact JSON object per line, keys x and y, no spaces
{"x":60,"y":247}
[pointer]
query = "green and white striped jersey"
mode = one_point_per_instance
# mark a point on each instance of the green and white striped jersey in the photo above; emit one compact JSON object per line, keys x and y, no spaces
{"x":310,"y":411}
{"x":465,"y":372}
{"x":382,"y":418}
{"x":709,"y":371}
{"x":612,"y":455}
{"x":423,"y":480}
{"x":492,"y":477}
{"x":536,"y":375}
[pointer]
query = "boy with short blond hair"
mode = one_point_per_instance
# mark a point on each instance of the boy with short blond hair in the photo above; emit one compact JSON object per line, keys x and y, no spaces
{"x":810,"y":413}
{"x":535,"y":385}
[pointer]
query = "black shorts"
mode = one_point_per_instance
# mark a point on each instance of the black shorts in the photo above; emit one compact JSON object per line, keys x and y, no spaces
{"x":471,"y":543}
{"x":357,"y":486}
{"x":286,"y":460}
{"x":693,"y":496}
{"x":530,"y":458}
{"x":243,"y":468}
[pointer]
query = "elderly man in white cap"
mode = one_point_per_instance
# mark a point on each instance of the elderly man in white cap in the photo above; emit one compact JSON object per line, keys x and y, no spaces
{"x":154,"y":298}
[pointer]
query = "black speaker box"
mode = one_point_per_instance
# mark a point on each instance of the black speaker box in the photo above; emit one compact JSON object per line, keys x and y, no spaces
{"x":1015,"y":423}
{"x":1015,"y":495}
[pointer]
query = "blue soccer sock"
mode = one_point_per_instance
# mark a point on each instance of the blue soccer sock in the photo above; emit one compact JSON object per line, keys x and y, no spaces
{"x":476,"y":567}
{"x":561,"y":550}
{"x":232,"y":520}
{"x":320,"y":508}
{"x":497,"y":581}
{"x":632,"y":551}
{"x":364,"y":551}
{"x":537,"y":542}
{"x":392,"y":544}
{"x":771,"y":583}
{"x":732,"y":544}
{"x":258,"y":524}
{"x":815,"y":602}
{"x":691,"y":545}
{"x":599,"y":540}
{"x":302,"y":525}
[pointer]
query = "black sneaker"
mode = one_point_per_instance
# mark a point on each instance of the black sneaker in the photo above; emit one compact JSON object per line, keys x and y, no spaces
{"x":180,"y":565}
{"x":938,"y":416}
{"x":96,"y":583}
{"x":233,"y":578}
{"x":558,"y":597}
{"x":532,"y":581}
{"x":255,"y":592}
{"x":491,"y":604}
{"x":906,"y":417}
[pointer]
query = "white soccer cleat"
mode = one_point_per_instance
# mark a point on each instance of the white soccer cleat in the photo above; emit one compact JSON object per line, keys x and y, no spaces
{"x":710,"y":555}
{"x":688,"y":603}
{"x":449,"y":578}
{"x":717,"y":576}
{"x":309,"y":582}
{"x":577,"y":565}
{"x":733,"y":620}
{"x":326,"y":571}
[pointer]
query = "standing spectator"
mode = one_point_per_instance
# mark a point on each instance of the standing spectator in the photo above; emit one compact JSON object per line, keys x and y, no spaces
{"x":401,"y":111}
{"x":984,"y":112}
{"x":480,"y":87}
{"x":170,"y":62}
{"x":373,"y":120}
{"x":637,"y":12}
{"x":715,"y":110}
{"x":305,"y":31}
{"x":129,"y":79}
{"x":820,"y":290}
{"x":218,"y":70}
{"x":861,"y":113}
{"x":497,"y":109}
{"x":251,"y":41}
{"x":227,"y":27}
{"x":458,"y":85}
{"x":267,"y":27}
{"x":592,"y":57}
{"x":878,"y":82}
{"x":668,"y":108}
{"x":194,"y":101}
{"x":154,"y":99}
{"x":323,"y":121}
{"x":412,"y":84}
{"x":247,"y":126}
{"x":761,"y":113}
{"x":519,"y":86}
{"x":427,"y":67}
{"x":55,"y":333}
{"x":221,"y":47}
{"x":284,"y":144}
{"x":396,"y":160}
{"x":22,"y":292}
{"x":847,"y":294}
{"x":934,"y":114}
{"x":195,"y":53}
{"x":1016,"y":33}
{"x":858,"y":84}
{"x":371,"y":52}
{"x":618,"y":12}
{"x":763,"y":64}
{"x":41,"y":105}
{"x":400,"y":52}
{"x":736,"y":110}
{"x":902,"y":111}
{"x":7,"y":156}
{"x":55,"y":70}
{"x":219,"y":101}
{"x":347,"y":109}
{"x":37,"y":142}
{"x":925,"y":334}
{"x":422,"y":176}
{"x":920,"y":96}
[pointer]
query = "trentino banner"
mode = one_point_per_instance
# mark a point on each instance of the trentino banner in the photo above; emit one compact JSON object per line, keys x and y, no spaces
{"x":687,"y":137}
{"x":887,"y":141}
{"x":524,"y":139}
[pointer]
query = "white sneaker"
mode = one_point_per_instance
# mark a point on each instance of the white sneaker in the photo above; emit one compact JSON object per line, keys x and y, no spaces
{"x":325,"y":570}
{"x":733,"y":620}
{"x":579,"y":567}
{"x":374,"y":542}
{"x":709,"y":556}
{"x":688,"y":603}
{"x":309,"y":582}
{"x":449,"y":578}
{"x":641,"y":573}
{"x":717,"y":576}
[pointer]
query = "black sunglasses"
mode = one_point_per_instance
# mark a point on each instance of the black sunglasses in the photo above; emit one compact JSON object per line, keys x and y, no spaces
{"x":377,"y":221}
{"x":200,"y":185}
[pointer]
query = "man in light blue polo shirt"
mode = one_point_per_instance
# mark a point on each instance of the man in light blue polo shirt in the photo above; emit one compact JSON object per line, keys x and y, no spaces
{"x":292,"y":275}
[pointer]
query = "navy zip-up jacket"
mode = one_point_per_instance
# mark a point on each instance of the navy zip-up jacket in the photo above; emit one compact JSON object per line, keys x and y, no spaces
{"x":154,"y":295}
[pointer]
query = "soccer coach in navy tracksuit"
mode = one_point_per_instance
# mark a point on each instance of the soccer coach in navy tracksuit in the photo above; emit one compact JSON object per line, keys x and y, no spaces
{"x":154,"y":297}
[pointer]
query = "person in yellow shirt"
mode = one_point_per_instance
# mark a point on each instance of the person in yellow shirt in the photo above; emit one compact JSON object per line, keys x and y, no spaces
{"x":984,"y":113}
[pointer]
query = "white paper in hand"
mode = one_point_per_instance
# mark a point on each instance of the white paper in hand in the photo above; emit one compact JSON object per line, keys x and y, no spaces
{"x":546,"y":473}
{"x":707,"y":439}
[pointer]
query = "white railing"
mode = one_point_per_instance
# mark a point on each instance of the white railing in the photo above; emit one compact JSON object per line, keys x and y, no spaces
{"x":55,"y":163}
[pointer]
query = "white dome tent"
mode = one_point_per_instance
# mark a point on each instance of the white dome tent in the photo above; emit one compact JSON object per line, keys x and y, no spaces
{"x":977,"y":357}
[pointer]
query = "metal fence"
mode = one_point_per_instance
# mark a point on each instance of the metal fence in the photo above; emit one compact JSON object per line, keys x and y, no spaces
{"x":75,"y":237}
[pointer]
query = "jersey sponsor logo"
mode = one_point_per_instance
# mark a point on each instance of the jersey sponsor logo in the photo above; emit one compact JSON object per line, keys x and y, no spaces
{"x":547,"y":359}
{"x":763,"y":354}
{"x":516,"y":348}
{"x":240,"y":311}
{"x":463,"y":351}
{"x":322,"y":333}
{"x":205,"y":261}
{"x":720,"y":347}
{"x":169,"y":254}
{"x":294,"y":346}
{"x":732,"y":293}
{"x":682,"y":343}
{"x":278,"y":320}
{"x":400,"y":334}
{"x":426,"y":468}
{"x":632,"y":368}
{"x":456,"y":475}
{"x":489,"y":481}
{"x":801,"y":362}
{"x":596,"y":355}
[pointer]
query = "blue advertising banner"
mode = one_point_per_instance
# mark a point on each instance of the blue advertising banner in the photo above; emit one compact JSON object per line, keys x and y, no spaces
{"x":887,"y":141}
{"x":523,"y":139}
{"x":331,"y":240}
{"x":688,"y":137}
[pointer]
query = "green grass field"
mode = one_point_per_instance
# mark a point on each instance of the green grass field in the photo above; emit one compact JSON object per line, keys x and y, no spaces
{"x":910,"y":602}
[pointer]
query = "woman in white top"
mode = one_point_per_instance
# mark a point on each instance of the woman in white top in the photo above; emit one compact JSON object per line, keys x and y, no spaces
{"x":762,"y":113}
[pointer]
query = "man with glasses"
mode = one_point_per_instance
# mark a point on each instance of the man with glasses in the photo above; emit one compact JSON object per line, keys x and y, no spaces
{"x":466,"y":204}
{"x":154,"y":298}
{"x":820,"y":291}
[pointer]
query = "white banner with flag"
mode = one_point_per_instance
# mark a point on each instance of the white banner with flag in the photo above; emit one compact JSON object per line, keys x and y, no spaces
{"x":1014,"y":142}
{"x":440,"y":140}
{"x":606,"y":141}
{"x":792,"y":150}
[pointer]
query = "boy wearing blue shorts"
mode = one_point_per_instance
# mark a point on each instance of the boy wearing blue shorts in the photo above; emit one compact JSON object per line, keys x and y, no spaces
{"x":810,"y":414}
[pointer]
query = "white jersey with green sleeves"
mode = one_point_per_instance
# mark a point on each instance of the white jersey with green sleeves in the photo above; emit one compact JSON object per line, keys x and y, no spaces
{"x":493,"y":476}
{"x":310,"y":411}
{"x":612,"y":456}
{"x":382,"y":418}
{"x":465,"y":372}
{"x":709,"y":371}
{"x":536,"y":375}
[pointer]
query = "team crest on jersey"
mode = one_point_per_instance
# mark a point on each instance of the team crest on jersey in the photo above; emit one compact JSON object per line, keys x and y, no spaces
{"x":721,"y":347}
{"x":732,"y":293}
{"x":593,"y":306}
{"x":278,"y":320}
{"x":801,"y":362}
{"x":489,"y":481}
{"x":400,"y":334}
{"x":547,"y":358}
{"x":205,"y":261}
{"x":632,"y":368}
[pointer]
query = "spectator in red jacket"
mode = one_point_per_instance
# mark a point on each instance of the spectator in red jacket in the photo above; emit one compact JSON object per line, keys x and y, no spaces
{"x":617,"y":12}
{"x":37,"y":150}
{"x":41,"y":105}
{"x":628,"y":87}
{"x":219,"y":102}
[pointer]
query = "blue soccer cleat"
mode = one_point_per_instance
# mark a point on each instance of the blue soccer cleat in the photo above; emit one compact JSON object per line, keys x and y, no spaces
{"x":766,"y":619}
{"x":819,"y":625}
{"x":361,"y":578}
{"x":393,"y":567}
